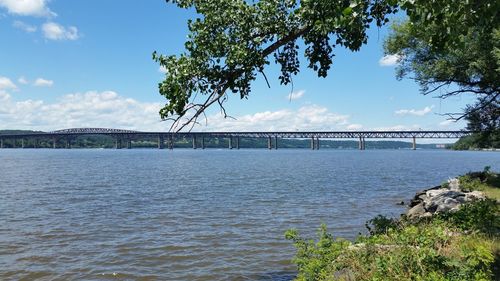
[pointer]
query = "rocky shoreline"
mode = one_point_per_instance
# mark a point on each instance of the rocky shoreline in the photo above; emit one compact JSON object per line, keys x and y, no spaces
{"x":444,"y":198}
{"x":449,"y":232}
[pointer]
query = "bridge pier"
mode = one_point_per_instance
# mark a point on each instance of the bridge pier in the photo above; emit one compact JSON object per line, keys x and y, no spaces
{"x":315,"y":143}
{"x":275,"y":142}
{"x":202,"y":142}
{"x":414,"y":147}
{"x":1,"y":143}
{"x":22,"y":143}
{"x":170,"y":143}
{"x":68,"y":143}
{"x":54,"y":143}
{"x":230,"y":142}
{"x":362,"y":143}
{"x":117,"y":143}
{"x":160,"y":142}
{"x":194,"y":141}
{"x":129,"y":144}
{"x":269,"y":143}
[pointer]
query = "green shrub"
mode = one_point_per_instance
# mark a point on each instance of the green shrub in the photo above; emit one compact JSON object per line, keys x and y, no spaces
{"x":472,"y":181}
{"x":481,"y":215}
{"x":426,"y":251}
{"x":485,"y":181}
{"x":380,"y":224}
{"x":314,"y":259}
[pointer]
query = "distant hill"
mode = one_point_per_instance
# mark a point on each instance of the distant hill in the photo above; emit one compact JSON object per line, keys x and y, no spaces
{"x":484,"y":140}
{"x":103,"y":141}
{"x":15,"y":132}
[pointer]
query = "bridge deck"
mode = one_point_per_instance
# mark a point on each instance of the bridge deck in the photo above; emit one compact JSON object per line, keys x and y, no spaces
{"x":297,"y":134}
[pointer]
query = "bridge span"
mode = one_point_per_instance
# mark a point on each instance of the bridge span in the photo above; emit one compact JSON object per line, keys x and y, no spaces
{"x":198,"y":138}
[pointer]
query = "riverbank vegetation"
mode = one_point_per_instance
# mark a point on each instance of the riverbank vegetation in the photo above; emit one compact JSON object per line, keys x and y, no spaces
{"x":486,"y":124}
{"x":462,"y":245}
{"x":479,"y":141}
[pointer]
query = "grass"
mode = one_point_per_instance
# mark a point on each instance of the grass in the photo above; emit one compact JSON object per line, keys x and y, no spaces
{"x":492,"y":189}
{"x":486,"y":182}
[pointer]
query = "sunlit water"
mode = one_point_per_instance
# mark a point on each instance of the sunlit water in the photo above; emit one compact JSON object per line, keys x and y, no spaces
{"x":196,"y":215}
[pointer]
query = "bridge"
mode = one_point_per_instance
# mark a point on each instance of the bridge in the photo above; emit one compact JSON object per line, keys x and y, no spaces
{"x":124,"y":138}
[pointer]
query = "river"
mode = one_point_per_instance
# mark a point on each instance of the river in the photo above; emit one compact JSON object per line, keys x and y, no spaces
{"x":146,"y":214}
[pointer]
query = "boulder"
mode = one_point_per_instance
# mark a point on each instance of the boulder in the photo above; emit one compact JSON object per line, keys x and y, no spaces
{"x":444,"y":192}
{"x":461,"y":199}
{"x":447,"y":205}
{"x":441,"y":199}
{"x":474,"y":195}
{"x":416,"y":211}
{"x":421,"y":195}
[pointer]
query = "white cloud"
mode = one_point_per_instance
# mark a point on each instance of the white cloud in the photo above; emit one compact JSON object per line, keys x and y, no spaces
{"x":162,"y":69}
{"x":24,"y":26}
{"x":414,"y":112}
{"x":55,"y":31}
{"x":310,"y":117}
{"x":295,"y":95}
{"x":91,"y":109}
{"x":6,"y":84}
{"x":447,"y":123}
{"x":4,"y":97}
{"x":39,"y":8}
{"x":40,"y":82}
{"x":110,"y":110}
{"x":389,"y":60}
{"x":354,"y":127}
{"x":27,"y":7}
{"x":22,"y":80}
{"x":399,"y":128}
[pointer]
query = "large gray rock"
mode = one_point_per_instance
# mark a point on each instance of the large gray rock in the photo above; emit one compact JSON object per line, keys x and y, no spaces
{"x":416,"y":211}
{"x":474,"y":195}
{"x":447,"y":205}
{"x":444,"y":192}
{"x":441,"y":199}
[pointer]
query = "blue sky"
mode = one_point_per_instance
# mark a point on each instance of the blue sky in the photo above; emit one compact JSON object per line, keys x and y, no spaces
{"x":88,"y":64}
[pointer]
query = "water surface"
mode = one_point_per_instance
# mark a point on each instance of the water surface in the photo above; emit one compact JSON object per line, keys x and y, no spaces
{"x":196,"y":215}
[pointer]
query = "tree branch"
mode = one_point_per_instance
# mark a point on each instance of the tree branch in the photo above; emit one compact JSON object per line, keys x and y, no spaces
{"x":217,"y":94}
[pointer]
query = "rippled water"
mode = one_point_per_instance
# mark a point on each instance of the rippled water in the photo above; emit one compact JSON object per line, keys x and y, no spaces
{"x":195,"y":215}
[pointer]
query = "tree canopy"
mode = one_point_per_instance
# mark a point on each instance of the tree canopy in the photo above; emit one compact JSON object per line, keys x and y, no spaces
{"x":231,"y":42}
{"x":451,"y":48}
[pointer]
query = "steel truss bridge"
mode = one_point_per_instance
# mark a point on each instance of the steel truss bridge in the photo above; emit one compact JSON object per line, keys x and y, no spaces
{"x":198,"y":138}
